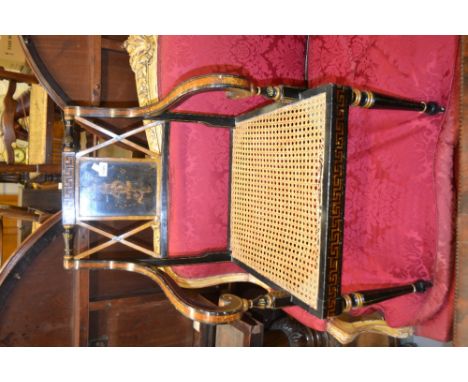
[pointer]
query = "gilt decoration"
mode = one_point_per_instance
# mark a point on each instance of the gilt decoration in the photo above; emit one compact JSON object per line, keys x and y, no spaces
{"x":143,"y":52}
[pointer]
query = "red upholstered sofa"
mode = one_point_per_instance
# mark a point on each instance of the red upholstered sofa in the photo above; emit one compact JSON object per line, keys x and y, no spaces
{"x":399,"y":191}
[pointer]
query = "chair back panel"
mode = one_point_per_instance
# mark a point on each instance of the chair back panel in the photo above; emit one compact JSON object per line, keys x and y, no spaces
{"x":117,"y":188}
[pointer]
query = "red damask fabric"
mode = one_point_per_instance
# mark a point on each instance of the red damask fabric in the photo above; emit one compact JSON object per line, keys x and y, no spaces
{"x":199,"y":155}
{"x":399,"y":191}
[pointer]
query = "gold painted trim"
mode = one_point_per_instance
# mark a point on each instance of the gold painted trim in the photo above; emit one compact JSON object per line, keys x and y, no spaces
{"x":370,"y":100}
{"x":359,"y":299}
{"x":114,"y":138}
{"x":357,"y":97}
{"x":345,"y":332}
{"x":278,"y":93}
{"x":203,"y":282}
{"x":425,"y":107}
{"x":143,"y":57}
{"x":114,"y":239}
{"x":273,"y":92}
{"x":231,"y":311}
{"x":156,"y":226}
{"x":348,"y":303}
{"x":192,"y":86}
{"x":143,"y":53}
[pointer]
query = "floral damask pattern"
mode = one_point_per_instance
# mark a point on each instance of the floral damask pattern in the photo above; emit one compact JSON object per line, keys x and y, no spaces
{"x":399,"y":191}
{"x":399,"y":194}
{"x":199,"y":155}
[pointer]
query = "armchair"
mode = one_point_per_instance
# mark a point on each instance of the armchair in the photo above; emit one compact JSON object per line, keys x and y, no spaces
{"x":287,"y":179}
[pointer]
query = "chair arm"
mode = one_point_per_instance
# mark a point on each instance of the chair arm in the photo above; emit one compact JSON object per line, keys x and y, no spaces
{"x":185,"y":301}
{"x":213,"y":82}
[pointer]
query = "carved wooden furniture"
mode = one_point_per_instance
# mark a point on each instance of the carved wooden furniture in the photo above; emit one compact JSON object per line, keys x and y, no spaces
{"x":10,"y":127}
{"x":288,"y":169}
{"x":96,"y":308}
{"x":94,"y":71}
{"x":8,"y":231}
{"x":38,"y":148}
{"x":42,"y":197}
{"x":25,"y":214}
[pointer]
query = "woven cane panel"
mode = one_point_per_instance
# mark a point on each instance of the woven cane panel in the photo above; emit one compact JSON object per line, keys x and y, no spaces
{"x":277,"y":173}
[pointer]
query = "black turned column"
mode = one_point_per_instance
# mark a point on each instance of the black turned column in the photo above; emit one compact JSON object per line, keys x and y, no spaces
{"x":369,"y":297}
{"x":68,"y":241}
{"x":372,"y":100}
{"x":68,"y":174}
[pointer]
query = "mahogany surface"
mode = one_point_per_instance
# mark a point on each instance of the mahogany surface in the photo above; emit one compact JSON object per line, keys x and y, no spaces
{"x":85,"y":71}
{"x":35,"y":292}
{"x":37,"y":302}
{"x":71,"y":68}
{"x":48,"y":305}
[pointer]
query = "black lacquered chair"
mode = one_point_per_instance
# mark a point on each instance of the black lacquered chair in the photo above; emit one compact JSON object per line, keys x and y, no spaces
{"x":287,"y":191}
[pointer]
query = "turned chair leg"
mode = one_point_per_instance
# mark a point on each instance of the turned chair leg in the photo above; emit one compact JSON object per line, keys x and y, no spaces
{"x":360,"y":98}
{"x":68,"y":238}
{"x":369,"y":297}
{"x":371,"y":100}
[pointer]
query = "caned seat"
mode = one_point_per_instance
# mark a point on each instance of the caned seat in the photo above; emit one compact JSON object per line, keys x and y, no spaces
{"x":287,"y":183}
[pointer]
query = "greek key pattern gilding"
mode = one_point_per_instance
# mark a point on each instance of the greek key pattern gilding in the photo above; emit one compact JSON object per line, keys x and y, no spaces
{"x":68,"y":187}
{"x":337,"y":204}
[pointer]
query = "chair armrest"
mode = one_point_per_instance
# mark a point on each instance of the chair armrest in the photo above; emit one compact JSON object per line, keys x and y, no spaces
{"x":195,"y":85}
{"x":186,"y":301}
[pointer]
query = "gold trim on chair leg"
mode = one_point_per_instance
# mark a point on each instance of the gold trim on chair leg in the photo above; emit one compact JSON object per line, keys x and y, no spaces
{"x":143,"y":52}
{"x":204,"y":282}
{"x":345,"y":332}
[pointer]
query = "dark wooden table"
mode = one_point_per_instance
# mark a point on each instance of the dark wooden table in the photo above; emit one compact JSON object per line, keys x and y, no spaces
{"x":40,"y":302}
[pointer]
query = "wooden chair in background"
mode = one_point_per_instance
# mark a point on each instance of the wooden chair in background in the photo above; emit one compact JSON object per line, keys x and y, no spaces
{"x":44,"y":131}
